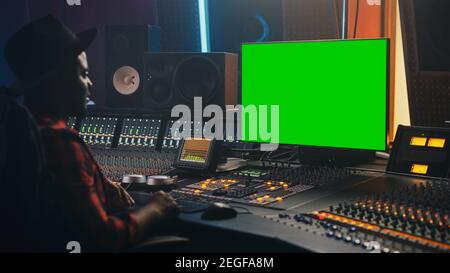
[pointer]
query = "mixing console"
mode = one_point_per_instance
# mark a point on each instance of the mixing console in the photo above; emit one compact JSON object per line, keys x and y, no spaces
{"x":262,"y":187}
{"x":116,"y":163}
{"x":410,"y":219}
{"x":98,"y":131}
{"x":126,"y":145}
{"x":135,"y":152}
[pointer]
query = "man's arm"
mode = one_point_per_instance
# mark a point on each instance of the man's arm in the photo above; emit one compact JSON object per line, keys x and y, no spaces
{"x":82,"y":204}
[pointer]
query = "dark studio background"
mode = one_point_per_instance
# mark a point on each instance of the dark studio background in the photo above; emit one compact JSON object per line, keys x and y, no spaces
{"x":179,"y":22}
{"x":97,"y":13}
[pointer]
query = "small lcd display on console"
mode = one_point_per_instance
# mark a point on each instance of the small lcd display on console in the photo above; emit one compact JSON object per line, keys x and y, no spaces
{"x":196,"y":154}
{"x":195,"y":150}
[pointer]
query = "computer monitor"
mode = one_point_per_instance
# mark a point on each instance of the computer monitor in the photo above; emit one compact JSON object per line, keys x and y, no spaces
{"x":331,"y":93}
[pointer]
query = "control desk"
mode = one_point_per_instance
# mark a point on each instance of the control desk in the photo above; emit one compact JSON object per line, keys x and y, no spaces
{"x":349,"y":211}
{"x":278,"y":207}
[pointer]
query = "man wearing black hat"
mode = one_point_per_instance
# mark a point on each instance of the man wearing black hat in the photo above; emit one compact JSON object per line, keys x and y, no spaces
{"x":52,"y":73}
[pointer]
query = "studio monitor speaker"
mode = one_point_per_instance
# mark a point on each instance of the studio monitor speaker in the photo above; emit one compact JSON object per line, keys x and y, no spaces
{"x":124,"y":50}
{"x":176,"y":78}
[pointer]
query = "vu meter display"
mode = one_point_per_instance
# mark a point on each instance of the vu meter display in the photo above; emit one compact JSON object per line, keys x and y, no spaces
{"x":195,"y":150}
{"x":98,"y":130}
{"x":139,"y":132}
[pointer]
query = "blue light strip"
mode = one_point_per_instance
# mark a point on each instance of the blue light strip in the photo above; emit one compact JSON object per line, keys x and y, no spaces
{"x":204,"y":26}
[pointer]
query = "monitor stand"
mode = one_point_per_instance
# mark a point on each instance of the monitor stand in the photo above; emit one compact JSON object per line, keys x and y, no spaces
{"x":334,"y":157}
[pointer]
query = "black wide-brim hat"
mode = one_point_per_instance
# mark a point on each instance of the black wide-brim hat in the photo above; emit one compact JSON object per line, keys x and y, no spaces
{"x":44,"y":46}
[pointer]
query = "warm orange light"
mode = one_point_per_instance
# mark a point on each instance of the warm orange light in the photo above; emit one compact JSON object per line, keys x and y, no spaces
{"x":436,"y":143}
{"x":419,"y":169}
{"x":418,"y":141}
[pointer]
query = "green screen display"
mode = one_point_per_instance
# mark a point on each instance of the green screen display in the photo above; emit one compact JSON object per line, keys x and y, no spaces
{"x":329,"y":93}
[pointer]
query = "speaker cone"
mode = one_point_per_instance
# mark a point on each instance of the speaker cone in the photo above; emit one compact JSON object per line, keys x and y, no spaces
{"x":126,"y":80}
{"x":157,"y":94}
{"x":197,"y":77}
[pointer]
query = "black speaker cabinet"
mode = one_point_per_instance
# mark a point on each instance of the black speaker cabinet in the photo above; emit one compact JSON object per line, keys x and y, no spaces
{"x":176,"y":78}
{"x":124,"y":50}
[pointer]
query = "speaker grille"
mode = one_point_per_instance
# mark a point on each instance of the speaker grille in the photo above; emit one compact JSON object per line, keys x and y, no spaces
{"x":157,"y":93}
{"x":176,"y":78}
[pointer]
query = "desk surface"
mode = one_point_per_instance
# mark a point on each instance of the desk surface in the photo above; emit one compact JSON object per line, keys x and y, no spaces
{"x":255,"y":224}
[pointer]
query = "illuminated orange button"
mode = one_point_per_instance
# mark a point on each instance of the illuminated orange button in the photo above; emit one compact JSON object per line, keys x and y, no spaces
{"x":272,"y":188}
{"x":279,"y":198}
{"x":266,"y":196}
{"x":436,"y":142}
{"x":419,"y":169}
{"x":418,"y":141}
{"x":197,"y":191}
{"x":259,"y":199}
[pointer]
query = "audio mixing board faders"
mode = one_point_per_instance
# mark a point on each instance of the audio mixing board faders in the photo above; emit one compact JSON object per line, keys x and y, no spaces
{"x":71,"y":122}
{"x":172,"y":141}
{"x":135,"y":152}
{"x":411,"y":219}
{"x":139,"y":133}
{"x":98,"y":131}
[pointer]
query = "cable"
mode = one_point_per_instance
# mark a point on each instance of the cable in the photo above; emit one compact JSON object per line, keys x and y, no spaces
{"x":356,"y":19}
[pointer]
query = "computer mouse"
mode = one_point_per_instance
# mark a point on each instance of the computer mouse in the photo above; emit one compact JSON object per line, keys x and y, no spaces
{"x":219,"y":211}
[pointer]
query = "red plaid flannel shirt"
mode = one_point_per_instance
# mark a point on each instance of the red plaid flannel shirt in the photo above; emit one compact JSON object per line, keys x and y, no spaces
{"x":79,"y":189}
